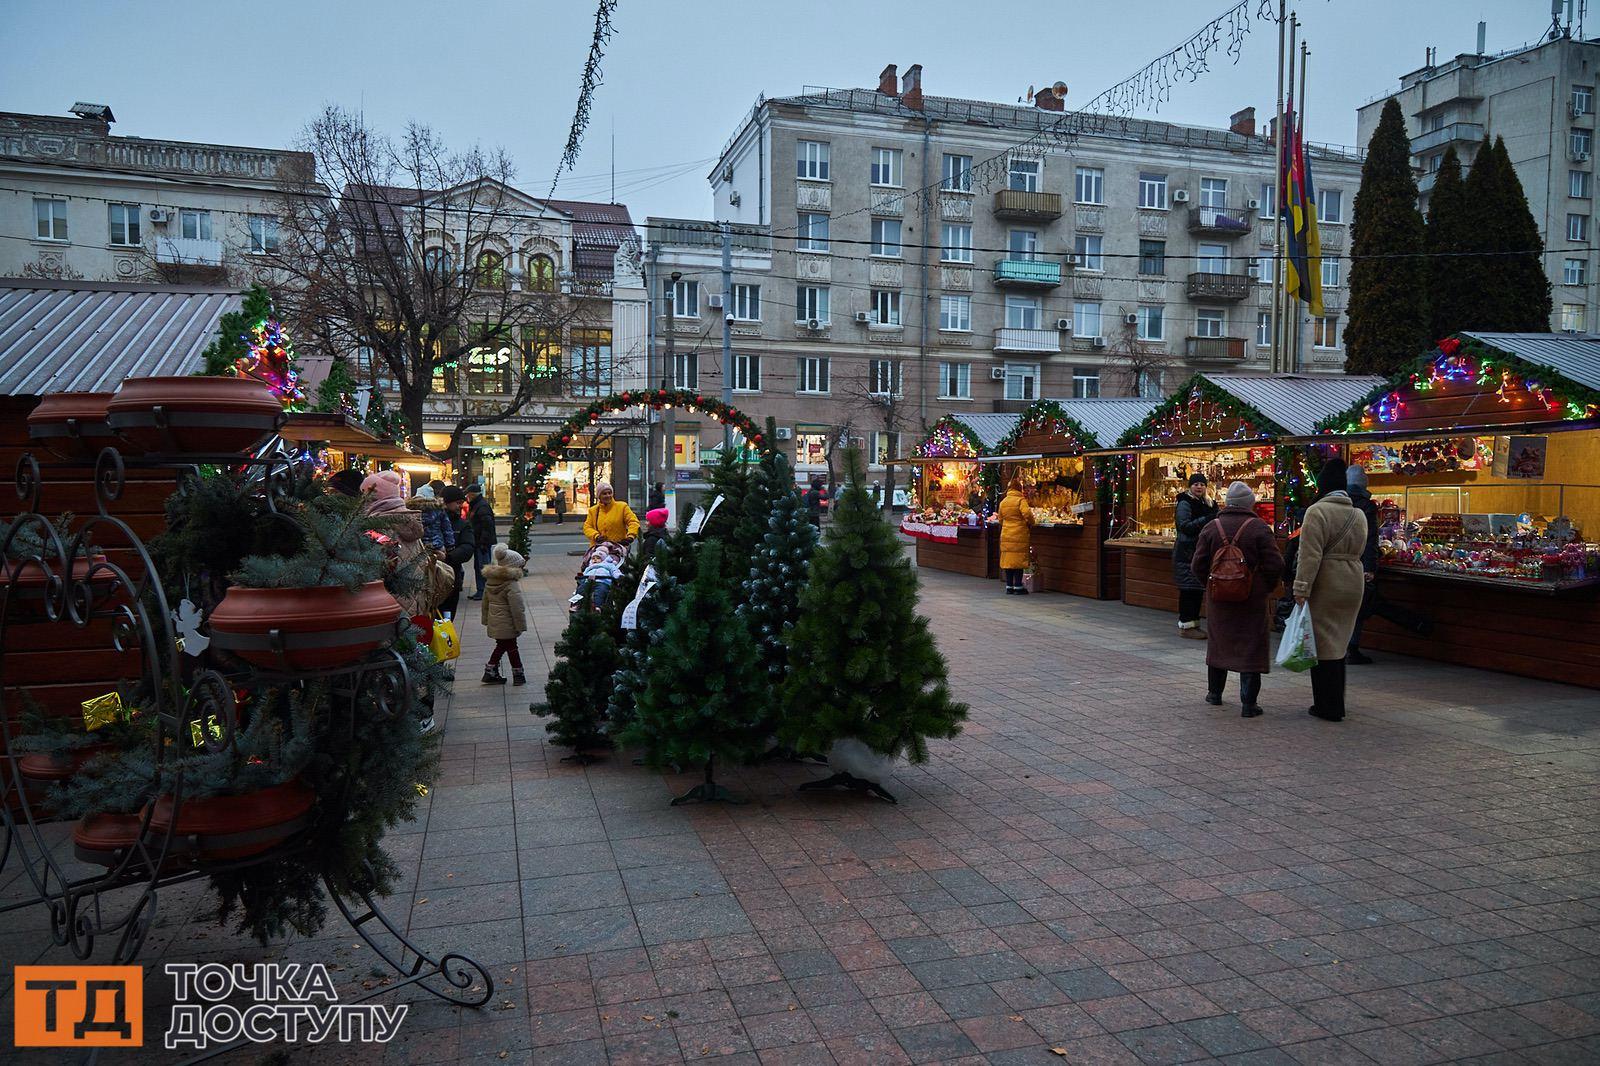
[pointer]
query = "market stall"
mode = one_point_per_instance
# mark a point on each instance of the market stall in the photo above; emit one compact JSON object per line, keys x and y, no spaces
{"x":1484,"y":462}
{"x":1227,"y":427}
{"x":949,"y":501}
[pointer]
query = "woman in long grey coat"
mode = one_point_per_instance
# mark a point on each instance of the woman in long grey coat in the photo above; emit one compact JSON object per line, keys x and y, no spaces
{"x":1330,"y":578}
{"x":1238,"y":631}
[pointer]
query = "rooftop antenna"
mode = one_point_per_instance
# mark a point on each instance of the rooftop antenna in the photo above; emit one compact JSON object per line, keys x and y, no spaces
{"x":613,"y":158}
{"x":1555,"y":18}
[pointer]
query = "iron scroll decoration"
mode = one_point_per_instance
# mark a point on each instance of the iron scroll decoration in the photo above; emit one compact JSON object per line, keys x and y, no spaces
{"x":54,"y":576}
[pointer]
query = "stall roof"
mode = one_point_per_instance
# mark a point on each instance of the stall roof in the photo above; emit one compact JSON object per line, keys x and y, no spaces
{"x":344,"y":433}
{"x":87,"y":336}
{"x":1573,"y":355}
{"x":1297,"y":402}
{"x":990,"y":428}
{"x":1108,"y":418}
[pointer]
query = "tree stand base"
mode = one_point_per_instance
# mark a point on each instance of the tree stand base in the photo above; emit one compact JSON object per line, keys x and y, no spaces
{"x":710,"y":792}
{"x":580,"y":758}
{"x":853,"y":783}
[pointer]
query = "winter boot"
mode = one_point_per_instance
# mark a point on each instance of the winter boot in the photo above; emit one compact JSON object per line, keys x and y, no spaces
{"x":492,"y":675}
{"x":518,"y":677}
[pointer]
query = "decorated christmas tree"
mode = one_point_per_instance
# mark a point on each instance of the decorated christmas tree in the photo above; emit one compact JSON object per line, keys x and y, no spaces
{"x":233,"y":331}
{"x":778,"y":568}
{"x":695,"y":708}
{"x":269,"y":358}
{"x":338,"y":390}
{"x":863,"y":665}
{"x":673,"y":566}
{"x":580,"y":683}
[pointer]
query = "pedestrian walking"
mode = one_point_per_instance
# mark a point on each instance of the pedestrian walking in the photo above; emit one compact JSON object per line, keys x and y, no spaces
{"x":437,"y":531}
{"x":560,"y":503}
{"x":658,"y":497}
{"x":1372,"y":600}
{"x":655,"y":531}
{"x":610,"y":519}
{"x":1016,"y":524}
{"x":1330,"y":578}
{"x":1194,"y":510}
{"x":466,"y":549}
{"x":480,"y":512}
{"x":1238,"y":639}
{"x":814,"y":499}
{"x":505,"y":616}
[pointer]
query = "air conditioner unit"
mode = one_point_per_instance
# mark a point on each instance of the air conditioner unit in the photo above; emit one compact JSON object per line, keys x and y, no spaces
{"x":714,"y":301}
{"x":784,"y":433}
{"x":1580,"y":157}
{"x":1255,"y":205}
{"x":863,"y":317}
{"x":1130,"y":319}
{"x":997,"y":373}
{"x":160,"y":214}
{"x":1098,"y":342}
{"x":727,"y":172}
{"x":734,"y":198}
{"x":1064,"y":325}
{"x":1074,"y":260}
{"x":813,"y":323}
{"x":1180,"y":196}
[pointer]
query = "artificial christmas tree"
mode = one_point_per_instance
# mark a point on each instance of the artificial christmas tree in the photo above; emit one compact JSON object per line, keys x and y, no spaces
{"x":695,"y":708}
{"x":778,"y":568}
{"x":730,"y":479}
{"x":673,"y":566}
{"x":338,"y":390}
{"x":580,"y":683}
{"x":270,"y":360}
{"x":862,"y":664}
{"x":231,"y":345}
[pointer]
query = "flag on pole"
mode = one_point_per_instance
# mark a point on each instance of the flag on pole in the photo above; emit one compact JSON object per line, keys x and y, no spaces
{"x":1311,"y":241}
{"x":1302,"y":252}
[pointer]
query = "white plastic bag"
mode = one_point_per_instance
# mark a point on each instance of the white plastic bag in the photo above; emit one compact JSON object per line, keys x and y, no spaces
{"x":1298,"y":649}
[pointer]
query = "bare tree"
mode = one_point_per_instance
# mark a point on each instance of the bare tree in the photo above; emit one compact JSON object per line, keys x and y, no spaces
{"x":877,"y":397}
{"x":404,"y":247}
{"x":1134,"y":367}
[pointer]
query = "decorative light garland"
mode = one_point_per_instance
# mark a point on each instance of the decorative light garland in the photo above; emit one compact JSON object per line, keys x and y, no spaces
{"x":271,"y":362}
{"x":950,"y":438}
{"x":1200,"y":411}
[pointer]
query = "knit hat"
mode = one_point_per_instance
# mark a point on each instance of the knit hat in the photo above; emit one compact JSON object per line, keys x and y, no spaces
{"x":426,"y":492}
{"x":452,"y":494}
{"x":385,"y":484}
{"x":504,"y":556}
{"x":656,"y":517}
{"x":346,"y":482}
{"x":1331,"y":477}
{"x":1240,"y":495}
{"x":1355,"y":477}
{"x":1197,"y":479}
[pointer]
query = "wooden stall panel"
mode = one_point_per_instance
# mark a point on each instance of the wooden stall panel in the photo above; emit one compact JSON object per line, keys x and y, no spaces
{"x":968,"y":555}
{"x":1147,"y":579}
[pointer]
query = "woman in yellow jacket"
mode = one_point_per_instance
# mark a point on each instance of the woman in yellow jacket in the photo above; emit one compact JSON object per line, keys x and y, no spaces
{"x":610,"y":519}
{"x":1016,"y":519}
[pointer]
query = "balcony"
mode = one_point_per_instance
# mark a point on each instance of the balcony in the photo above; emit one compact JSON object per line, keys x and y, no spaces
{"x":1027,"y":273}
{"x":1007,"y":339}
{"x":1205,"y":288}
{"x":1220,"y":221}
{"x":1455,"y":133}
{"x":1214,"y":349}
{"x":1027,"y":206}
{"x":188,"y":251}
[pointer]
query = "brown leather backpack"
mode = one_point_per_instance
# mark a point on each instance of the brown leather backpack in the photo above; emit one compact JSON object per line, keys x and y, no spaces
{"x":1230,"y":577}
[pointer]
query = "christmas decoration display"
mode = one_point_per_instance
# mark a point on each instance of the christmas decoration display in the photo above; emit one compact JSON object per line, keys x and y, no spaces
{"x":338,"y":391}
{"x":1047,"y":416}
{"x":580,"y":682}
{"x":270,"y":360}
{"x":863,"y":664}
{"x":673,"y":564}
{"x":233,"y":329}
{"x":778,"y":569}
{"x":1201,"y":411}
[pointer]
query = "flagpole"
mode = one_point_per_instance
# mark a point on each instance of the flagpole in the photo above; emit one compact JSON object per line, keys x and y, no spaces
{"x":1305,"y":283}
{"x":1277,"y":194}
{"x":1283,"y":315}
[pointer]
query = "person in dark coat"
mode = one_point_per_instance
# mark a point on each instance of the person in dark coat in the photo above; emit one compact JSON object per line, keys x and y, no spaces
{"x":1238,"y":631}
{"x":481,"y":514}
{"x":814,"y":499}
{"x":1194,"y":511}
{"x":466,"y":547}
{"x":658,"y":497}
{"x":559,"y":501}
{"x":1372,"y":601}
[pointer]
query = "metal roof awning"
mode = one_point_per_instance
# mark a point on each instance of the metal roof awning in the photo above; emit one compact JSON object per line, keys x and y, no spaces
{"x":341,"y":431}
{"x":1497,"y":429}
{"x":1573,"y":355}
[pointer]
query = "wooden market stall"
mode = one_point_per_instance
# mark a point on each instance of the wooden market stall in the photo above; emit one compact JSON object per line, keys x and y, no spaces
{"x":949,"y":499}
{"x":1226,"y":426}
{"x":345,"y":439}
{"x":1484,"y":461}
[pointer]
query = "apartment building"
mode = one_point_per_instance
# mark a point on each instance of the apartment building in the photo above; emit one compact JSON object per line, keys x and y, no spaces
{"x":1113,"y":262}
{"x":78,"y":202}
{"x":1541,"y":99}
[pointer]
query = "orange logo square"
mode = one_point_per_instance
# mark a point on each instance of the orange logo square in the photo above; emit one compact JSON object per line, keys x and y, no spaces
{"x":79,"y":1006}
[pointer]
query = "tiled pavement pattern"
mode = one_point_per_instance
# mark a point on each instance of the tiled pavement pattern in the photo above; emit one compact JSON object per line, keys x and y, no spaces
{"x":1101,"y":869}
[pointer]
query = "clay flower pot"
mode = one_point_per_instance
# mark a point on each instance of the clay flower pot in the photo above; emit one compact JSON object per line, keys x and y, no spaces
{"x":31,"y":584}
{"x":72,"y":425}
{"x":48,"y":768}
{"x":304,"y":629}
{"x":194,"y":415}
{"x":218,"y":828}
{"x":104,"y":838}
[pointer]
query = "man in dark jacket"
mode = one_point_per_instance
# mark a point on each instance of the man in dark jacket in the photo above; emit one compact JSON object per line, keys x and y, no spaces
{"x":1194,"y":512}
{"x":658,"y":497}
{"x":481,"y":514}
{"x":466,"y":546}
{"x":814,"y":499}
{"x":1372,"y":602}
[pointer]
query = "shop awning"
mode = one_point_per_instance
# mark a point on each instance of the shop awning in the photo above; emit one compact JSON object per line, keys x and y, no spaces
{"x":1465,"y":429}
{"x":341,"y":431}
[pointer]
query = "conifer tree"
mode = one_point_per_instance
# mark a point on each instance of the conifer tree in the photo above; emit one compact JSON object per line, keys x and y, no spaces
{"x":1524,"y":286}
{"x":695,"y":708}
{"x":233,"y":329}
{"x":730,"y":479}
{"x":863,"y":664}
{"x":580,"y":681}
{"x":1453,"y":288}
{"x":673,"y":564}
{"x":1388,"y":318}
{"x":778,"y":569}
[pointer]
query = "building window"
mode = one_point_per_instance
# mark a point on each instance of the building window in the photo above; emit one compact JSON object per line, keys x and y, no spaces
{"x":883,"y":377}
{"x":1572,"y":318}
{"x":1264,"y":329}
{"x":812,"y":231}
{"x":1089,"y":185}
{"x":810,"y":449}
{"x":1147,"y":383}
{"x":685,"y":370}
{"x":747,"y":303}
{"x":1022,"y":312}
{"x":124,"y":224}
{"x":1330,"y":273}
{"x":886,"y":307}
{"x":746,"y":372}
{"x":955,"y":381}
{"x":1023,"y":176}
{"x":1150,"y":323}
{"x":1153,"y":190}
{"x":1086,"y":320}
{"x":491,"y":273}
{"x":811,"y":373}
{"x":1330,"y":206}
{"x":1214,"y":192}
{"x":1023,"y":244}
{"x":956,"y":173}
{"x":263,"y":233}
{"x":371,"y":367}
{"x":1578,"y":228}
{"x":541,"y":360}
{"x":437,"y":262}
{"x":489,"y":369}
{"x":1085,"y":383}
{"x":194,"y":225}
{"x":886,"y":167}
{"x":1022,"y":381}
{"x":1578,"y":184}
{"x":885,"y":446}
{"x":1582,"y":100}
{"x":955,"y":312}
{"x":1582,"y":142}
{"x":50,"y":219}
{"x":1268,"y":203}
{"x":542,"y":274}
{"x":955,"y":243}
{"x":1575,"y":272}
{"x":1212,"y":258}
{"x":683,"y":297}
{"x":591,"y":362}
{"x":811,"y":304}
{"x":886,"y":237}
{"x":1325,"y":332}
{"x":1086,"y":252}
{"x":1210,"y":322}
{"x":686,"y":448}
{"x":1153,"y":257}
{"x":811,"y":160}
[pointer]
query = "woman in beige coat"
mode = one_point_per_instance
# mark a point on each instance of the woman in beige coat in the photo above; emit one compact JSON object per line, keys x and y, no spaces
{"x":1331,"y":579}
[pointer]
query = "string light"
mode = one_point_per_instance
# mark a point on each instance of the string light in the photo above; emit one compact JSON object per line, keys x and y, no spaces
{"x":271,"y":362}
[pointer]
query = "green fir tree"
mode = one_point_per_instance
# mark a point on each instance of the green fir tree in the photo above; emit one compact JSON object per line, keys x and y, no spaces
{"x":863,"y":664}
{"x":233,"y":329}
{"x":730,"y":479}
{"x":580,"y":682}
{"x":1524,"y":286}
{"x":778,"y":568}
{"x":1454,"y":285}
{"x":1388,"y":321}
{"x":674,"y":565}
{"x":338,"y":390}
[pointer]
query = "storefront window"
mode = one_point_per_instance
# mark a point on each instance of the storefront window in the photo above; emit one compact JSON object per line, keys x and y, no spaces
{"x":686,"y":449}
{"x":591,"y":362}
{"x":489,"y":368}
{"x":811,"y":449}
{"x":541,"y":360}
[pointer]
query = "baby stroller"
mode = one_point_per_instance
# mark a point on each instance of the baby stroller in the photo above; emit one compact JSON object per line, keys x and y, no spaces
{"x":596,"y":574}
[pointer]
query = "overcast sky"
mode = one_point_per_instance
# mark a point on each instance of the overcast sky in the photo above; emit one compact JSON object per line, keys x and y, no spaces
{"x":678,"y":75}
